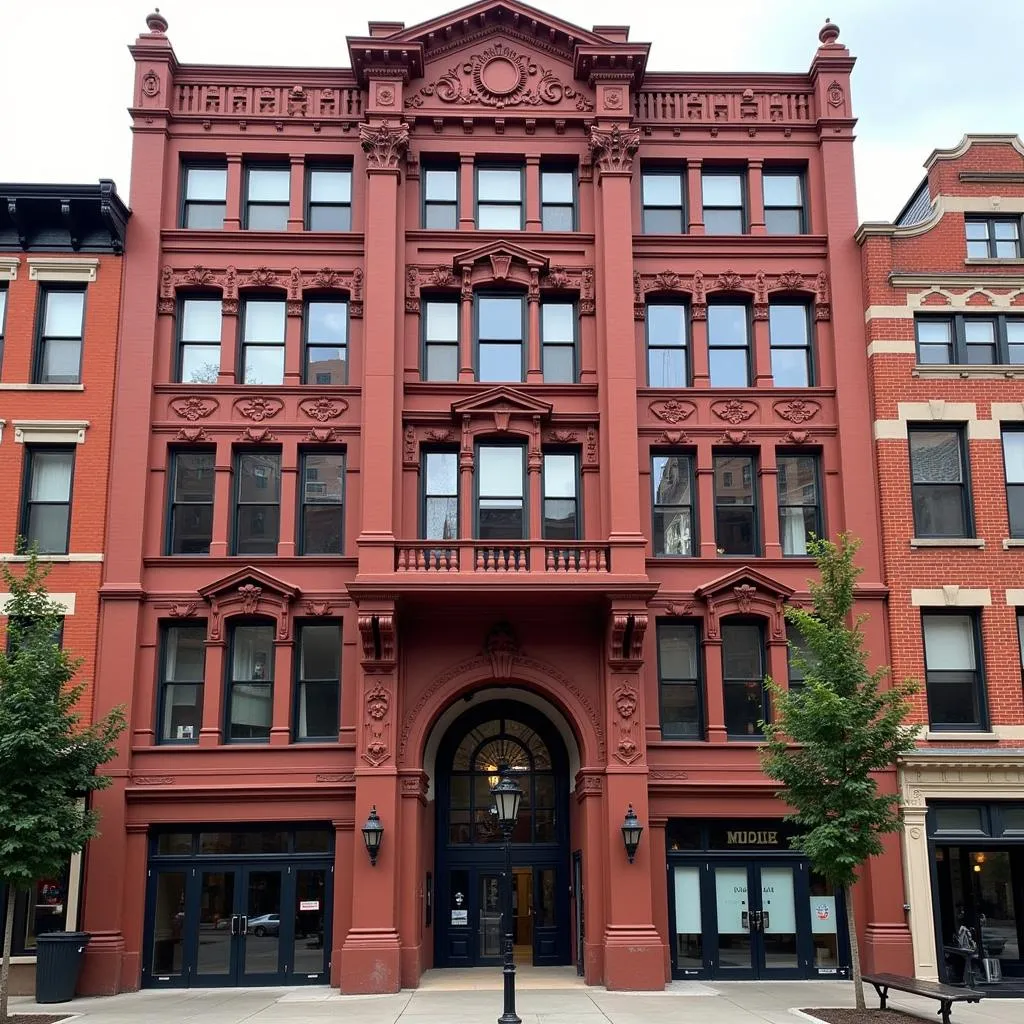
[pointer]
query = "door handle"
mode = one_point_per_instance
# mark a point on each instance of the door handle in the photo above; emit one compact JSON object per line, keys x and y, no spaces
{"x":234,"y":924}
{"x":243,"y":925}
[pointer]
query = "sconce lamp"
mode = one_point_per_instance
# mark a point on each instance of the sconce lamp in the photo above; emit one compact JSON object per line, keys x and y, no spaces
{"x":373,"y":833}
{"x":631,"y":830}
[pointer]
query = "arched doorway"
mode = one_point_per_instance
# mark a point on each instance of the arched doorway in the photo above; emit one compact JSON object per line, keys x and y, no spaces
{"x":496,"y":736}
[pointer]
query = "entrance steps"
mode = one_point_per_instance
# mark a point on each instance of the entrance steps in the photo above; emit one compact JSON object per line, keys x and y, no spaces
{"x":489,"y":979}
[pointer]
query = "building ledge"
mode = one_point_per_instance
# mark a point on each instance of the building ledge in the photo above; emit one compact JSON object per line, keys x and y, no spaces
{"x":978,"y":261}
{"x":42,"y":387}
{"x":1013,"y":542}
{"x":947,"y":542}
{"x":975,"y":736}
{"x":963,"y":371}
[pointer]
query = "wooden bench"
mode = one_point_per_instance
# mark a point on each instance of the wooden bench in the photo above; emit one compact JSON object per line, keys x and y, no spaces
{"x":945,"y":994}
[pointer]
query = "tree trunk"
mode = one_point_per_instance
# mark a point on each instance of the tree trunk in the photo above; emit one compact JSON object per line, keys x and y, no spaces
{"x":5,"y":969}
{"x":851,"y":925}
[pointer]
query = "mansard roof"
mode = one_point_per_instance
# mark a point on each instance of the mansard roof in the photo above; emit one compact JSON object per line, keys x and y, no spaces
{"x":62,"y":218}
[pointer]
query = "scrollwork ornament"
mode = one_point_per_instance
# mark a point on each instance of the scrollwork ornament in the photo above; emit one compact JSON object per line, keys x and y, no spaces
{"x":612,"y":149}
{"x":384,"y":144}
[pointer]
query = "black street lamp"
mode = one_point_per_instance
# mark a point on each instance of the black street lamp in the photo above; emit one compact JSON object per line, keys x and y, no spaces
{"x":631,"y":829}
{"x":373,"y":833}
{"x":507,"y":796}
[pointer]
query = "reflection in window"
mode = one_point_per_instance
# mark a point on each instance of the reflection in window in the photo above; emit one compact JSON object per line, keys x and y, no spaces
{"x":500,"y":328}
{"x":326,"y":326}
{"x":746,"y":700}
{"x":799,"y":502}
{"x":952,"y":673}
{"x":728,"y":345}
{"x":736,"y":530}
{"x":181,"y":683}
{"x":319,"y":681}
{"x":673,"y":528}
{"x":682,"y":715}
{"x":323,"y":492}
{"x":501,"y":489}
{"x":667,"y":362}
{"x":789,"y":332}
{"x":561,"y":496}
{"x":263,"y":341}
{"x":440,"y":496}
{"x":250,"y":691}
{"x":258,"y":502}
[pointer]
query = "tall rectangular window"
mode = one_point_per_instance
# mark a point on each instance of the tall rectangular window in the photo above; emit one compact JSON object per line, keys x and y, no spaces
{"x":499,"y":198}
{"x":993,"y":238}
{"x":799,"y":502}
{"x":956,"y":698}
{"x":500,"y":331}
{"x":59,"y":345}
{"x":797,"y":650}
{"x":204,"y":201}
{"x":736,"y":521}
{"x":667,"y":348}
{"x":679,"y":681}
{"x":789,"y":331}
{"x":558,"y":342}
{"x":971,"y":340}
{"x":182,"y":663}
{"x":250,"y":695}
{"x":318,"y":693}
{"x":441,"y":197}
{"x":329,"y":202}
{"x":561,"y":496}
{"x":192,"y":483}
{"x":1013,"y":464}
{"x":323,"y":494}
{"x":326,"y":345}
{"x":557,"y":199}
{"x":263,"y":341}
{"x":724,"y":208}
{"x":501,"y":492}
{"x":3,"y":318}
{"x":784,"y":203}
{"x":257,"y":502}
{"x":746,"y":701}
{"x":440,"y":495}
{"x":199,"y":327}
{"x":939,"y":487}
{"x":663,"y":202}
{"x":440,"y":339}
{"x":728,"y":345}
{"x":46,"y":506}
{"x":673,"y":530}
{"x":267,"y":192}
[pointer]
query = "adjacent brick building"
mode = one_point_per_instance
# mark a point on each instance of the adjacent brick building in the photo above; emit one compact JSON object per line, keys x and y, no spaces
{"x":944,"y":293}
{"x":60,"y":298}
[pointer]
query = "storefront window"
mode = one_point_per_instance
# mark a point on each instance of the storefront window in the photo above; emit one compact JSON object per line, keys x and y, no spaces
{"x":824,"y":925}
{"x":38,"y":910}
{"x":689,"y":943}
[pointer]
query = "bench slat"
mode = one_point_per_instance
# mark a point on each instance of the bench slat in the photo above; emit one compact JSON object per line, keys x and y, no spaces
{"x":929,"y":989}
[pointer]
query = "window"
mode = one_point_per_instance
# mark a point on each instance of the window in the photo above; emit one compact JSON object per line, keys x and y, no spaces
{"x":206,"y":190}
{"x":970,"y":340}
{"x":263,"y":341}
{"x":673,"y":527}
{"x":326,"y":326}
{"x":46,"y":511}
{"x":257,"y":502}
{"x":499,"y":198}
{"x":501,"y":501}
{"x":1013,"y":462}
{"x":323,"y":493}
{"x":557,"y":200}
{"x":722,"y":193}
{"x":746,"y":700}
{"x":784,"y":203}
{"x":993,"y":238}
{"x":667,"y":358}
{"x":799,"y":502}
{"x":728,"y":345}
{"x":3,"y":316}
{"x":661,"y":196}
{"x":440,"y":496}
{"x":679,"y":681}
{"x":199,"y":326}
{"x":939,"y":482}
{"x":41,"y":908}
{"x":796,"y":674}
{"x":59,"y":352}
{"x":14,"y":623}
{"x":329,"y":207}
{"x":267,"y":198}
{"x":736,"y":530}
{"x":319,"y":682}
{"x":561,"y":496}
{"x":440,"y":339}
{"x":500,"y":329}
{"x":789,"y":330}
{"x":558,"y":342}
{"x":182,"y":662}
{"x":251,"y":683}
{"x":441,"y":198}
{"x":952,"y":674}
{"x":191,"y":515}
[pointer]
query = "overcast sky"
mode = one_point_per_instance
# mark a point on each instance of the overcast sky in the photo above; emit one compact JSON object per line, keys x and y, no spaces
{"x":927,"y":70}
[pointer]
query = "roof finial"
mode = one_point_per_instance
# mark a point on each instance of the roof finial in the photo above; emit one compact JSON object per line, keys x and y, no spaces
{"x":156,"y":23}
{"x":829,"y":33}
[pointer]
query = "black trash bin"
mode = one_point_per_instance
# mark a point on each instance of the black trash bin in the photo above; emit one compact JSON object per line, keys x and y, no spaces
{"x":58,"y":961}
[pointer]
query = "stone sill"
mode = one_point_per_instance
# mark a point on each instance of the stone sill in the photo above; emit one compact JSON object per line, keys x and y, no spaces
{"x":42,"y":387}
{"x":1012,"y":542}
{"x":990,"y":261}
{"x":947,"y":542}
{"x":965,"y":371}
{"x":962,"y":737}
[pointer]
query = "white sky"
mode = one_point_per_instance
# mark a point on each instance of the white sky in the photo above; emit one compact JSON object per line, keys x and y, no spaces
{"x":927,"y":72}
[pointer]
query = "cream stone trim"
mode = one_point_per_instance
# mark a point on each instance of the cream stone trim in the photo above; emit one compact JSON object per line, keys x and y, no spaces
{"x":50,"y":431}
{"x":1009,"y":732}
{"x":1015,"y":597}
{"x":984,"y":138}
{"x":938,"y":282}
{"x":889,"y":430}
{"x":888,"y":313}
{"x":41,"y":387}
{"x":87,"y":556}
{"x":65,"y":600}
{"x":892,"y":346}
{"x":9,"y":268}
{"x":967,"y":371}
{"x":950,"y":596}
{"x":1012,"y":542}
{"x":947,"y":542}
{"x":977,"y":736}
{"x":80,"y":269}
{"x":938,"y":410}
{"x":931,"y":775}
{"x":983,"y":204}
{"x":993,"y":261}
{"x":1008,"y":411}
{"x":941,"y":205}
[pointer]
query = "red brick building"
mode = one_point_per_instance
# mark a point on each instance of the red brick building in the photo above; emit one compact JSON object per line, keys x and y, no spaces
{"x":944,"y":293}
{"x":60,"y":298}
{"x":475,"y":405}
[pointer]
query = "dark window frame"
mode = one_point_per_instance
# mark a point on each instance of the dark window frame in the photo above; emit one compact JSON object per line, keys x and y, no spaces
{"x":990,"y":242}
{"x":577,"y":498}
{"x":171,"y":504}
{"x":698,"y":684}
{"x":179,"y":327}
{"x":324,"y":297}
{"x":304,"y":454}
{"x":523,"y":332}
{"x":440,"y":298}
{"x":243,"y":345}
{"x":691,"y":457}
{"x":574,"y":345}
{"x":162,"y":683}
{"x":728,"y":171}
{"x":301,"y":681}
{"x":808,"y":348}
{"x":25,"y":511}
{"x":755,"y":480}
{"x":1018,"y":431}
{"x":40,"y":339}
{"x":748,"y":348}
{"x":793,"y":639}
{"x":489,"y":442}
{"x":981,"y":689}
{"x":247,"y":203}
{"x":4,"y":303}
{"x":687,"y":346}
{"x":787,"y":172}
{"x":184,"y":202}
{"x":498,"y":166}
{"x":680,"y":172}
{"x":818,"y":506}
{"x":58,"y":635}
{"x":766,"y":704}
{"x":573,"y":171}
{"x":229,"y":676}
{"x":958,"y":337}
{"x":310,"y":205}
{"x":425,"y":495}
{"x":236,"y":505}
{"x":966,"y":491}
{"x":449,"y":165}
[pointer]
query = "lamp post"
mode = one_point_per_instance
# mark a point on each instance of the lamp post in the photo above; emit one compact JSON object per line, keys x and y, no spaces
{"x":507,"y":795}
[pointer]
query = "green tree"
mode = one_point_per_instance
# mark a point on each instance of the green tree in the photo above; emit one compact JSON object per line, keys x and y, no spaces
{"x":48,"y":755}
{"x":831,"y":736}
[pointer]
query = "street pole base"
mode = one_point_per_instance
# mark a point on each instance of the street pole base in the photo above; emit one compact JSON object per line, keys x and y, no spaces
{"x":510,"y":1018}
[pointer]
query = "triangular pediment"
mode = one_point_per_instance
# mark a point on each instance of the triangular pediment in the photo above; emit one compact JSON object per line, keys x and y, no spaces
{"x":743,"y":576}
{"x":249,"y":576}
{"x":501,"y":254}
{"x":501,"y":401}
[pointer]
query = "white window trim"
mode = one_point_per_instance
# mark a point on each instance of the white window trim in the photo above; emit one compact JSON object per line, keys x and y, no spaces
{"x":86,"y":556}
{"x":950,"y":596}
{"x":66,"y":600}
{"x":80,"y":269}
{"x":50,"y":431}
{"x":9,"y":268}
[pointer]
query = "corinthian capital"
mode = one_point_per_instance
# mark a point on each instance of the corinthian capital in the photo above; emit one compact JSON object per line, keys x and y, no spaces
{"x":384,"y":144}
{"x":612,"y":149}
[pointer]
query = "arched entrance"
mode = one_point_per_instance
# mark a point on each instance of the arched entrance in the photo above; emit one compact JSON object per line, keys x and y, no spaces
{"x":478,"y":745}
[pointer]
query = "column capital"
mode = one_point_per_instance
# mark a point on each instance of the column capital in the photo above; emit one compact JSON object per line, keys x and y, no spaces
{"x":384,"y":145}
{"x":612,"y":149}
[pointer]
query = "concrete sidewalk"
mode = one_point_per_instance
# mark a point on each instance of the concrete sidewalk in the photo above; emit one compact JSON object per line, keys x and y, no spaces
{"x":437,"y":1003}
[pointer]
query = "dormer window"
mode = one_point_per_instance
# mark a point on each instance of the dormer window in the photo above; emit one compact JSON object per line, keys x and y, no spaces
{"x":993,"y":238}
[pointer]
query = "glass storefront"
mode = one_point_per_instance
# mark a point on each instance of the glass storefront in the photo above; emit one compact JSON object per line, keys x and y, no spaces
{"x":41,"y":909}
